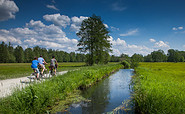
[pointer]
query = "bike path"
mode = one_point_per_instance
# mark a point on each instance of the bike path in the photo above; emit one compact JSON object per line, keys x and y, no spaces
{"x":8,"y":86}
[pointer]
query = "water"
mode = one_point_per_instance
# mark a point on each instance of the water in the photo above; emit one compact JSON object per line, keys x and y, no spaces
{"x":108,"y":96}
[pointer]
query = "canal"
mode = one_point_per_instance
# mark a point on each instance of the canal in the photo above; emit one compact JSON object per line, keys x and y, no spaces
{"x":111,"y":95}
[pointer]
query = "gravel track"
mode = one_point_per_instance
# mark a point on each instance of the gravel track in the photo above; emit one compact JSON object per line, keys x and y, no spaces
{"x":9,"y":85}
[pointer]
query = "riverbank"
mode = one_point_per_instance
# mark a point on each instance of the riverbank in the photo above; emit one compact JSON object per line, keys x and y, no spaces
{"x":38,"y":97}
{"x":160,"y":88}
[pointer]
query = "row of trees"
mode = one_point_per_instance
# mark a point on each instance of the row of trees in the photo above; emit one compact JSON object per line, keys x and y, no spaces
{"x":8,"y":54}
{"x":155,"y":56}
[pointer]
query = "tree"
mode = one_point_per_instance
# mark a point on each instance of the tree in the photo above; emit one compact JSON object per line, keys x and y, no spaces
{"x":173,"y":55}
{"x":19,"y":54}
{"x":148,"y":58}
{"x":28,"y":55}
{"x":94,"y":40}
{"x":72,"y":57}
{"x":4,"y":53}
{"x":137,"y":57}
{"x":11,"y":53}
{"x":124,"y":57}
{"x":159,"y":56}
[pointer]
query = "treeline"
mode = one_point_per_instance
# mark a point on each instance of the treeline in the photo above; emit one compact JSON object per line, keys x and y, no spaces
{"x":155,"y":56}
{"x":8,"y":54}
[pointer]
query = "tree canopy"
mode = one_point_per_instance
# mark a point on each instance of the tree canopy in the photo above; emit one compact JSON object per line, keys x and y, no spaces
{"x":94,"y":40}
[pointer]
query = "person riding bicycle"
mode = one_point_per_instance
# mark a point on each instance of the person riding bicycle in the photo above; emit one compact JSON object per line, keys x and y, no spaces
{"x":42,"y":63}
{"x":53,"y":64}
{"x":34,"y":65}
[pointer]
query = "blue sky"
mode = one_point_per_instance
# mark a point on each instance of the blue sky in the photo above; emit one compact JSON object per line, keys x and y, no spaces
{"x":136,"y":26}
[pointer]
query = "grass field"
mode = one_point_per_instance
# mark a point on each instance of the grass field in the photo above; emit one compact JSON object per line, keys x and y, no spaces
{"x":14,"y":70}
{"x":160,"y":88}
{"x":40,"y":97}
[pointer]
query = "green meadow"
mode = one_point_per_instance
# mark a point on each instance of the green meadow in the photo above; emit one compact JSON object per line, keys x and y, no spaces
{"x":15,"y":70}
{"x":44,"y":97}
{"x":160,"y":88}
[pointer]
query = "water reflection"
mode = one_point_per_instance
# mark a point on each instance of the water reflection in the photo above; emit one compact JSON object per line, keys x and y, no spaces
{"x":106,"y":96}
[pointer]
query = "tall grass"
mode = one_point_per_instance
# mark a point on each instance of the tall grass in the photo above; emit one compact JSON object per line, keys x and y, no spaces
{"x":160,"y":88}
{"x":37,"y":97}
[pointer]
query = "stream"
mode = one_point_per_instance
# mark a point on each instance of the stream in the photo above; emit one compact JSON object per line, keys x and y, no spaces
{"x":111,"y":95}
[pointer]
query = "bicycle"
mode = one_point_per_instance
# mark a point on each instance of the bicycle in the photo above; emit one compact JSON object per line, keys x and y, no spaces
{"x":51,"y":71}
{"x":33,"y":76}
{"x":45,"y":73}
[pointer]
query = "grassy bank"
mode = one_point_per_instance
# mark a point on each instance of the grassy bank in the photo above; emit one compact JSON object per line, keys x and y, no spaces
{"x":38,"y":97}
{"x":160,"y":88}
{"x":15,"y":70}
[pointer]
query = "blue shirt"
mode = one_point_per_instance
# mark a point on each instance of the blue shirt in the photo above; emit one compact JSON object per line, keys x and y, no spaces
{"x":41,"y":60}
{"x":34,"y":64}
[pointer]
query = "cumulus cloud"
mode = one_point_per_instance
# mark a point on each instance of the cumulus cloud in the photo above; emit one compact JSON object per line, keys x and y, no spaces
{"x":8,"y":9}
{"x":35,"y":33}
{"x":76,"y":22}
{"x":152,"y":40}
{"x":58,"y":20}
{"x":120,"y":46}
{"x":161,"y":44}
{"x":52,"y":7}
{"x":34,"y":24}
{"x":130,"y":33}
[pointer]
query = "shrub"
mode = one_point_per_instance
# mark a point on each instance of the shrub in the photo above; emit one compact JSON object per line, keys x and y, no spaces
{"x":125,"y":64}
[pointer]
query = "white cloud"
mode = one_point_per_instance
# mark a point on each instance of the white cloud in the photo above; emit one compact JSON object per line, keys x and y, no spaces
{"x":76,"y":22}
{"x":117,"y":6}
{"x":33,"y":23}
{"x":177,"y":28}
{"x":8,"y":38}
{"x":52,"y":7}
{"x":174,"y":28}
{"x":7,"y":9}
{"x":114,"y":28}
{"x":120,"y":46}
{"x":130,"y":33}
{"x":58,"y":20}
{"x":152,"y":40}
{"x":38,"y":34}
{"x":106,"y":25}
{"x":23,"y":31}
{"x":161,"y":44}
{"x":180,"y":28}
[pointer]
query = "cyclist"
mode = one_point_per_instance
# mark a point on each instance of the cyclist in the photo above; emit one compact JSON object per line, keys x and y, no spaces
{"x":42,"y":63}
{"x":53,"y":64}
{"x":34,"y":65}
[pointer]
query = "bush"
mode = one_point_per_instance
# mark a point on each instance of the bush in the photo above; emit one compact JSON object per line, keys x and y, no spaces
{"x":134,"y":64}
{"x":125,"y":64}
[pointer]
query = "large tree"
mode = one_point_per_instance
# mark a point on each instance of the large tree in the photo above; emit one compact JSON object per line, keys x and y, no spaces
{"x":94,"y":40}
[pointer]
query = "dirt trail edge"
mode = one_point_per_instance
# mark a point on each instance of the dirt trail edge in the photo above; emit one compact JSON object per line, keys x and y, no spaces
{"x":8,"y":86}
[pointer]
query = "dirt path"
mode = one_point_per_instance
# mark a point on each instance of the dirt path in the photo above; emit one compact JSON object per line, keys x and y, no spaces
{"x":7,"y":86}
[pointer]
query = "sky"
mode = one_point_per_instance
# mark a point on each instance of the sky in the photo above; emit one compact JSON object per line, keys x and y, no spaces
{"x":136,"y":26}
